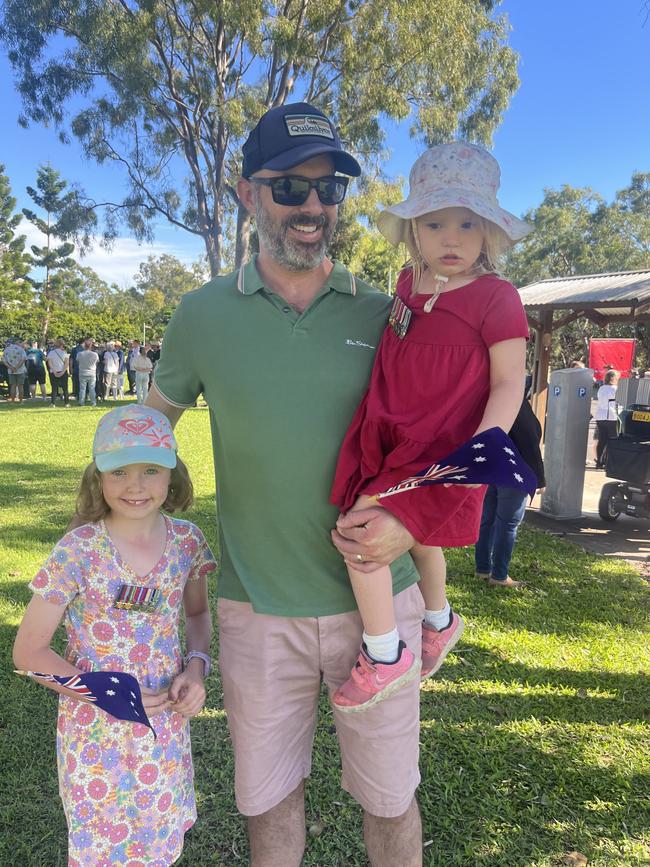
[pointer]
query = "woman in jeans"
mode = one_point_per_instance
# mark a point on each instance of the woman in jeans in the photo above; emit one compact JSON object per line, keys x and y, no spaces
{"x":58,"y":363}
{"x":504,"y":508}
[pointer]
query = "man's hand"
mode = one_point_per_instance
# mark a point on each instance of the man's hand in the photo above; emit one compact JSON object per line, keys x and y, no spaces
{"x":375,"y":534}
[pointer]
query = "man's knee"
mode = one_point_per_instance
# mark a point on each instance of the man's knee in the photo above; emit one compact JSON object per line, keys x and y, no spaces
{"x":392,"y":840}
{"x":277,"y":837}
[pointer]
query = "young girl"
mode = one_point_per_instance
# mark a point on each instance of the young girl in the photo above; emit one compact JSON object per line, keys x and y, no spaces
{"x":450,"y":365}
{"x":127,"y":798}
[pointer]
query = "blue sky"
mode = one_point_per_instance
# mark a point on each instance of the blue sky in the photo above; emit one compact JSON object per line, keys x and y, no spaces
{"x":581,"y":116}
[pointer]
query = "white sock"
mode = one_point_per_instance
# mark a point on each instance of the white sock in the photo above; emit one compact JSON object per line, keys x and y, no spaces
{"x":438,"y":619}
{"x":382,"y":648}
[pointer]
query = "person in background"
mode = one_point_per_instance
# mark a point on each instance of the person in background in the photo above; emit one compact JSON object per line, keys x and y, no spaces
{"x":134,"y":351}
{"x":100,"y":387}
{"x":121,"y":369}
{"x":15,"y":360}
{"x":577,"y":364}
{"x":606,"y":416}
{"x":504,"y":508}
{"x":26,"y":390}
{"x":75,"y":367}
{"x":142,"y":367}
{"x":58,"y":364}
{"x":111,"y":367}
{"x":153,"y":354}
{"x":87,"y":361}
{"x":36,"y":370}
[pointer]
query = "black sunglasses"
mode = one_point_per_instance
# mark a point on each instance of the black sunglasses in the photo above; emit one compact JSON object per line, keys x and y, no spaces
{"x":295,"y":190}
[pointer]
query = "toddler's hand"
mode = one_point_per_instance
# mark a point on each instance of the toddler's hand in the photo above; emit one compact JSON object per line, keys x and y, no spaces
{"x":154,"y":700}
{"x":187,"y":693}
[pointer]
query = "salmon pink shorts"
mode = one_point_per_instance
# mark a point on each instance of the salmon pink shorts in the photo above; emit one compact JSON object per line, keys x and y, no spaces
{"x":272,"y":668}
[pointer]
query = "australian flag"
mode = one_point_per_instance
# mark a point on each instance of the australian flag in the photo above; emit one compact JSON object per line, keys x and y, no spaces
{"x":489,"y":458}
{"x":115,"y":692}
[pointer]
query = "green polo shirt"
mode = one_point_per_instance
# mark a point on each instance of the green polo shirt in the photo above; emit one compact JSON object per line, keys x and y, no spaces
{"x":282,"y":388}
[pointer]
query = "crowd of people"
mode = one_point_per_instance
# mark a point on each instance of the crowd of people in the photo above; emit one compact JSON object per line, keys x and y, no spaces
{"x":89,"y":371}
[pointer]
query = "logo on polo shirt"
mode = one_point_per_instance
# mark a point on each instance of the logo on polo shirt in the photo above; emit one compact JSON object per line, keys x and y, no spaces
{"x":349,"y":342}
{"x":308,"y":124}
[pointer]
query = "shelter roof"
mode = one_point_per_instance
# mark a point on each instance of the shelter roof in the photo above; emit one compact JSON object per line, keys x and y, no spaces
{"x":623,"y":294}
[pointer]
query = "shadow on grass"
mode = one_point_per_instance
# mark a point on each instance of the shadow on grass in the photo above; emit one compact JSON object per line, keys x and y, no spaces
{"x":593,"y":696}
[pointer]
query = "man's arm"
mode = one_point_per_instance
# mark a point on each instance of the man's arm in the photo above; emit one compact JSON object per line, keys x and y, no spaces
{"x":374,"y":533}
{"x":156,"y":401}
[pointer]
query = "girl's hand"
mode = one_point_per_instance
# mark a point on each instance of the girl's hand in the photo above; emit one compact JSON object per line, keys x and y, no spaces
{"x":187,"y":692}
{"x":155,"y":700}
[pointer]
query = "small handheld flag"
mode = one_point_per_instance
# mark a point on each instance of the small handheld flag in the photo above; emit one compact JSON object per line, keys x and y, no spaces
{"x":489,"y":458}
{"x":115,"y":692}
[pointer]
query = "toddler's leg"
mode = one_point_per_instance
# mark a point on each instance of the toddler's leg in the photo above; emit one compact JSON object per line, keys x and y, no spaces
{"x":442,"y":627}
{"x":385,"y":663}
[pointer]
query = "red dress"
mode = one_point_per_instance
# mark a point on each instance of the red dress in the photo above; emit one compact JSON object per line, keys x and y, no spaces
{"x":426,"y":397}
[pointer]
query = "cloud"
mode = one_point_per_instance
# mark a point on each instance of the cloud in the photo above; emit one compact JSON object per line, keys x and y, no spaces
{"x":119,"y":263}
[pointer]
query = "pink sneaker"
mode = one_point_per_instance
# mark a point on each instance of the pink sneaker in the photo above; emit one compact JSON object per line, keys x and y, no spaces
{"x":436,"y":644}
{"x":371,"y":682}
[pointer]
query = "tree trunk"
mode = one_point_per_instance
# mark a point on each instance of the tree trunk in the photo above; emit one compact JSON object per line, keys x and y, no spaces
{"x":242,"y":246}
{"x":46,"y":323}
{"x":213,"y":251}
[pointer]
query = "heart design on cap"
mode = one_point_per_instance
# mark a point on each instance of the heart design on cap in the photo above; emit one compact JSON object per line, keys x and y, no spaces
{"x":135,"y":426}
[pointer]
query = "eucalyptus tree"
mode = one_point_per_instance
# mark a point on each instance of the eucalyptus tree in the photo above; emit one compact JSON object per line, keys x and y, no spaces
{"x":168,"y":89}
{"x":576,"y":231}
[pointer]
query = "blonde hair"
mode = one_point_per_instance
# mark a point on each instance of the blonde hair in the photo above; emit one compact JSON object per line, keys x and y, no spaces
{"x":495,"y":244}
{"x":91,"y":505}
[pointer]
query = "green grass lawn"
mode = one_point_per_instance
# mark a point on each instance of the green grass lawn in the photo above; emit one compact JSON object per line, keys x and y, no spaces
{"x":535,"y":739}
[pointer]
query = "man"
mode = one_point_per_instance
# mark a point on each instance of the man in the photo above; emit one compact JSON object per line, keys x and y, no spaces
{"x":121,"y":367}
{"x":58,"y":364}
{"x":87,"y":361}
{"x":36,"y":370}
{"x":111,"y":368}
{"x":134,"y":352}
{"x":15,"y":361}
{"x":76,"y":349}
{"x":282,"y":351}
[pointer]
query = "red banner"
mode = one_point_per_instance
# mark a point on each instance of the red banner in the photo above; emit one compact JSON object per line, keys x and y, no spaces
{"x":607,"y":353}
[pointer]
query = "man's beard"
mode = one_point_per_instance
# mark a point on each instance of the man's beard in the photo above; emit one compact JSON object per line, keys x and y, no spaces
{"x":292,"y":254}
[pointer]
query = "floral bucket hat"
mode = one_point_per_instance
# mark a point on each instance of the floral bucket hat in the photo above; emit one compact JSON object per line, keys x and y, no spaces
{"x":451,"y":175}
{"x":134,"y":435}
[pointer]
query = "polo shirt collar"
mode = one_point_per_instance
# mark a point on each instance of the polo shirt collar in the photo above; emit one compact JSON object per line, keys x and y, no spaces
{"x":339,"y":279}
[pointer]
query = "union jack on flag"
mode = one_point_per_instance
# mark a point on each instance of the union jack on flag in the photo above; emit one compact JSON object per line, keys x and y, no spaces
{"x":489,"y":458}
{"x":115,"y":692}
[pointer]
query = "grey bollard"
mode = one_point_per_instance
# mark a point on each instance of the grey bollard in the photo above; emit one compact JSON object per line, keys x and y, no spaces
{"x":565,"y":441}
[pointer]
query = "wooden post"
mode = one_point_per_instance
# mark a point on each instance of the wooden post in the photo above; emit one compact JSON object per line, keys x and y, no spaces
{"x":541,"y":364}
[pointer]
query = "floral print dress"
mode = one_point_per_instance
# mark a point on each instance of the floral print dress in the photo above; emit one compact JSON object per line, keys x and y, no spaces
{"x":128,"y":798}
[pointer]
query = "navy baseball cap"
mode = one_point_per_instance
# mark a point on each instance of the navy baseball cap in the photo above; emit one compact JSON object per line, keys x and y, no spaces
{"x":290,"y":134}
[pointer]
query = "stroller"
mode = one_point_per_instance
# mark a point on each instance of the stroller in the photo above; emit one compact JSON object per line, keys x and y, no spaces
{"x":628,"y":460}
